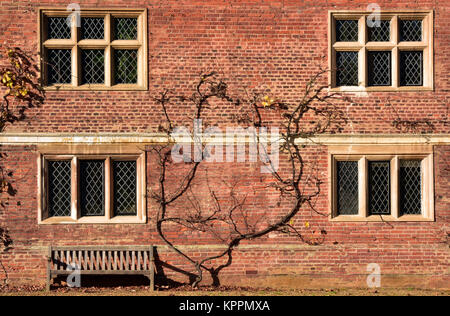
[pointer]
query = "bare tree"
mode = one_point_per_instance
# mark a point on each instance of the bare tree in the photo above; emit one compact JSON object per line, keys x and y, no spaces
{"x":226,"y":218}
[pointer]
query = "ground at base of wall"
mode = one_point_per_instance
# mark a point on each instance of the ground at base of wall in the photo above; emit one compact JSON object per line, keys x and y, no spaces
{"x":222,"y":291}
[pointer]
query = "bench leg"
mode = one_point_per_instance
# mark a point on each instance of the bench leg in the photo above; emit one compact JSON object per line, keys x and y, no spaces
{"x":49,"y":281}
{"x":152,"y":281}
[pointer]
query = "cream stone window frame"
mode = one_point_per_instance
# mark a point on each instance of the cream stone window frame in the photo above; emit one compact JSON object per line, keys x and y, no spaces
{"x":362,"y":46}
{"x":76,"y":218}
{"x":76,"y":44}
{"x":364,"y":154}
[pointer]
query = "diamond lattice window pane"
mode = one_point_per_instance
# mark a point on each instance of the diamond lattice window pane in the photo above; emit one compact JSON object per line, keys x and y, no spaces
{"x":346,"y":30}
{"x":125,"y":66}
{"x":124,"y":173}
{"x":92,"y":188}
{"x":125,"y":28}
{"x":410,"y":187}
{"x":92,"y":28}
{"x":379,"y":64}
{"x":347,"y":68}
{"x":59,"y":66}
{"x":411,"y":30}
{"x":379,"y":188}
{"x":93,"y":66}
{"x":381,"y":32}
{"x":411,"y":68}
{"x":59,"y":188}
{"x":347,"y":181}
{"x":58,"y":28}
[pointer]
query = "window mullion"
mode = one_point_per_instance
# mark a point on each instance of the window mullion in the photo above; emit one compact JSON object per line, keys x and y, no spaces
{"x":394,"y":30}
{"x":394,"y":186}
{"x":75,"y":210}
{"x":395,"y":67}
{"x":75,"y":27}
{"x":108,"y":28}
{"x":362,"y":73}
{"x":75,"y":67}
{"x":362,"y":31}
{"x":108,"y":51}
{"x":108,"y":189}
{"x":362,"y":67}
{"x":363,"y":187}
{"x":108,"y":62}
{"x":395,"y":52}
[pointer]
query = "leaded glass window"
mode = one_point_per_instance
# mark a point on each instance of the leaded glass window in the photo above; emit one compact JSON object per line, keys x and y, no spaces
{"x":411,"y":68}
{"x":379,"y":188}
{"x":108,"y":49}
{"x":347,"y":186}
{"x":93,"y":62}
{"x":410,"y":30}
{"x":125,"y":28}
{"x":410,"y":187}
{"x":58,"y":28}
{"x":381,"y":32}
{"x":125,"y":66}
{"x":59,"y":66}
{"x":92,"y":187}
{"x":59,"y":188}
{"x":124,"y":175}
{"x":92,"y":28}
{"x":347,"y":68}
{"x":347,"y":30}
{"x":386,"y":61}
{"x":379,"y":66}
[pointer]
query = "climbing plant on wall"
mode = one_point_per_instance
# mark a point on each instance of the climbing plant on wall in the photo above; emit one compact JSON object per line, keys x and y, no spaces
{"x":19,"y":90}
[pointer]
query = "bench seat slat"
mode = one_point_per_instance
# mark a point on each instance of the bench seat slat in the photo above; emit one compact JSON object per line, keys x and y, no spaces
{"x":91,"y":259}
{"x":55,"y":260}
{"x":139,"y":261}
{"x":103,"y":260}
{"x":97,"y":260}
{"x":145,"y":260}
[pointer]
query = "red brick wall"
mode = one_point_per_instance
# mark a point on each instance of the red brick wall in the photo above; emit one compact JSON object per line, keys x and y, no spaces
{"x":418,"y":250}
{"x":276,"y":44}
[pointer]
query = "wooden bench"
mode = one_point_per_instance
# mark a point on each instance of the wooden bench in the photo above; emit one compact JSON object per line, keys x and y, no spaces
{"x":101,"y":260}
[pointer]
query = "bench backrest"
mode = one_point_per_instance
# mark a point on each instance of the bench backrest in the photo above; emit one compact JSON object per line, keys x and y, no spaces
{"x":101,"y":258}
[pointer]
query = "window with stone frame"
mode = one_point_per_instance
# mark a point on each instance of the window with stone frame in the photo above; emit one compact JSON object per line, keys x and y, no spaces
{"x":373,"y":187}
{"x":97,"y":50}
{"x":92,"y":189}
{"x":392,"y":52}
